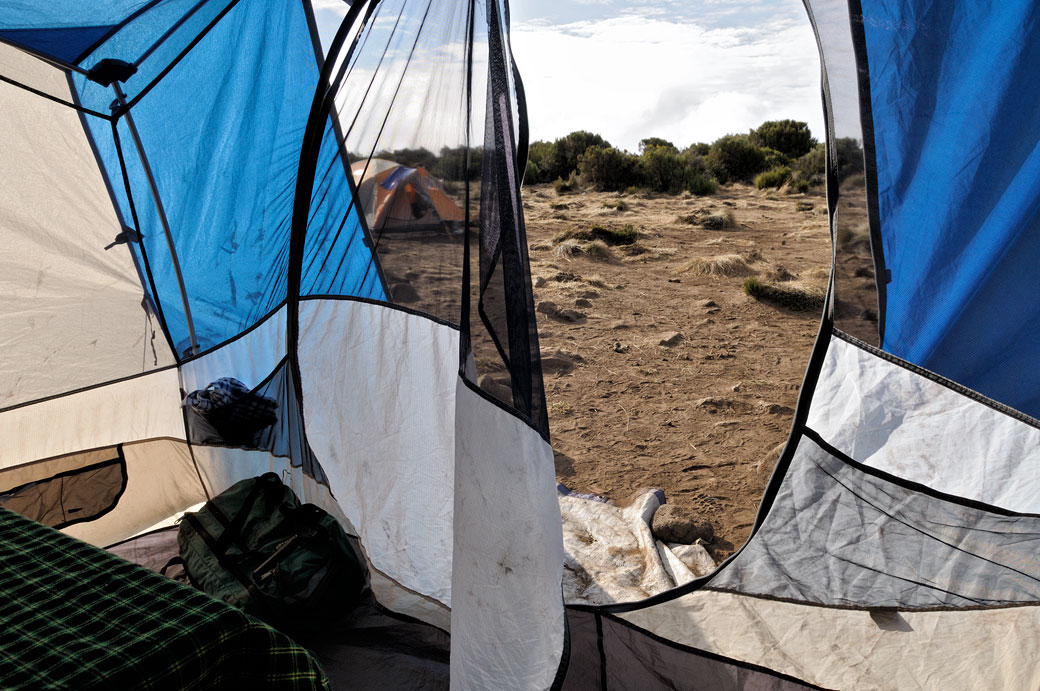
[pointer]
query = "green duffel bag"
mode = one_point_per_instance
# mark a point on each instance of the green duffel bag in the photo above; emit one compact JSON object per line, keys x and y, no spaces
{"x":255,"y":546}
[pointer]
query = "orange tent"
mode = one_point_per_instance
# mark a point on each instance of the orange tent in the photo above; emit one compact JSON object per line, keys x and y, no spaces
{"x":392,"y":194}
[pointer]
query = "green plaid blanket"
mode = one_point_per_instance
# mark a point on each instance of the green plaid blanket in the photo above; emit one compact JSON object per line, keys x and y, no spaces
{"x":76,"y":617}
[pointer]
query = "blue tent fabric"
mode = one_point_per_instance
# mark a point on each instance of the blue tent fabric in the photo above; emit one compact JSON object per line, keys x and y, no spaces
{"x":64,"y":43}
{"x":957,"y":139}
{"x":32,"y":14}
{"x":337,"y":259}
{"x":231,"y":232}
{"x":146,"y":43}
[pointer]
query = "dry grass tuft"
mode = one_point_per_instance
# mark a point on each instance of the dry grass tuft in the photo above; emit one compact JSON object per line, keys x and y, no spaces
{"x":566,"y":248}
{"x":598,"y":250}
{"x":797,"y":296}
{"x":721,"y":265}
{"x":721,"y":221}
{"x":616,"y":204}
{"x":851,"y":237}
{"x":625,"y":235}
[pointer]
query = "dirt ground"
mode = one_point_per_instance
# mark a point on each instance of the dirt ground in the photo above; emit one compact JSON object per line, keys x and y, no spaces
{"x":660,"y":370}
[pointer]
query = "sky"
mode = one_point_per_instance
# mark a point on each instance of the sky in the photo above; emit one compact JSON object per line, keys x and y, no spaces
{"x":684,"y":70}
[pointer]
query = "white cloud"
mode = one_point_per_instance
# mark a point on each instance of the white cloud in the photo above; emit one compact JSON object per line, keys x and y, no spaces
{"x":649,"y":73}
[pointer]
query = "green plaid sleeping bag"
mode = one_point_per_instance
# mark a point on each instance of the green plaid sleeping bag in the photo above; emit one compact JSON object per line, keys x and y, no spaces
{"x":73,"y":616}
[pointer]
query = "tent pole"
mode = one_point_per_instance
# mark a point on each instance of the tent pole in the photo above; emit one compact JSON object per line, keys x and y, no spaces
{"x":162,"y":216}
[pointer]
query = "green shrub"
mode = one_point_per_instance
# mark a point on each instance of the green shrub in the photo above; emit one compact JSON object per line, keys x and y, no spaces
{"x":773,"y":178}
{"x":609,"y":170}
{"x":451,"y":163}
{"x":850,"y":157}
{"x":702,"y":184}
{"x":696,"y":162}
{"x":700,"y":149}
{"x":774,"y":159}
{"x":812,"y":166}
{"x":800,"y":186}
{"x":413,"y":158}
{"x":537,"y":153}
{"x":563,"y":158}
{"x":735,"y":157}
{"x":792,"y":138}
{"x":655,"y":142}
{"x":665,"y":169}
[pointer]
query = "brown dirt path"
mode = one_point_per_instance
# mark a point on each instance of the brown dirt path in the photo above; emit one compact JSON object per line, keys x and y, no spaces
{"x":701,"y":414}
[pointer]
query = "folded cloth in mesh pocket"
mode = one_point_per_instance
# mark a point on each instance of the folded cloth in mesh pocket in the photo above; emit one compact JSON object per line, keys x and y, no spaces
{"x":234,"y":412}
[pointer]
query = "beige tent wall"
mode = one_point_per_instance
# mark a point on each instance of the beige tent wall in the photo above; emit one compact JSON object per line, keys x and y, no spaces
{"x":141,"y":408}
{"x":161,"y":483}
{"x":70,"y":311}
{"x":854,"y":649}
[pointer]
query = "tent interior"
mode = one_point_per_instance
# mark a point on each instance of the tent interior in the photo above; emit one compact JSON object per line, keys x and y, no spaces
{"x":175,"y":213}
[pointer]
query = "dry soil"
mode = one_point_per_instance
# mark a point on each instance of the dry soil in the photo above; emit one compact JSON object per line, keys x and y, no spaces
{"x":660,"y":370}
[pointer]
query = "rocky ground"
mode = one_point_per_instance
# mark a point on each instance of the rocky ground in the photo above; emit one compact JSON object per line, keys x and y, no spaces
{"x":660,"y":370}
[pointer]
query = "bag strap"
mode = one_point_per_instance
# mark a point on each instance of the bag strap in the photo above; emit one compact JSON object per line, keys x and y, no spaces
{"x":232,"y":531}
{"x":179,"y":561}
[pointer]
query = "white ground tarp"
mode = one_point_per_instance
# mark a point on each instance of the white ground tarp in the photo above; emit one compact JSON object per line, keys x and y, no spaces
{"x":612,"y":555}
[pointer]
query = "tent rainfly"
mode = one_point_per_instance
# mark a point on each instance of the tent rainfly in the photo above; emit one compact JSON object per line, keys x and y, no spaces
{"x":181,"y":204}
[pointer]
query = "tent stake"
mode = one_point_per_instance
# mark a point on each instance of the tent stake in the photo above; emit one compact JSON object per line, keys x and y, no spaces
{"x":121,"y":97}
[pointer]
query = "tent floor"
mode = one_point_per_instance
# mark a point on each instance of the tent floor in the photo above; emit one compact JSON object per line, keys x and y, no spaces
{"x":371,"y":649}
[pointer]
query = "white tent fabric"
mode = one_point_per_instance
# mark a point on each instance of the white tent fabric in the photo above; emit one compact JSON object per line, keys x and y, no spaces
{"x":507,"y":611}
{"x":897,"y":420}
{"x":137,"y":409}
{"x":249,"y":358}
{"x":388,"y":446}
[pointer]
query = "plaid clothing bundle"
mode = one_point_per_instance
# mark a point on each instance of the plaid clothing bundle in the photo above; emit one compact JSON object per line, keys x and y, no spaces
{"x":236,"y":414}
{"x":76,"y":617}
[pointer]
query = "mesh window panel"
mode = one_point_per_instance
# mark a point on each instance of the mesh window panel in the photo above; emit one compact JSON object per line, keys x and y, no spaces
{"x":856,"y":308}
{"x":266,"y":417}
{"x":504,"y":337}
{"x":392,"y":178}
{"x":420,"y":158}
